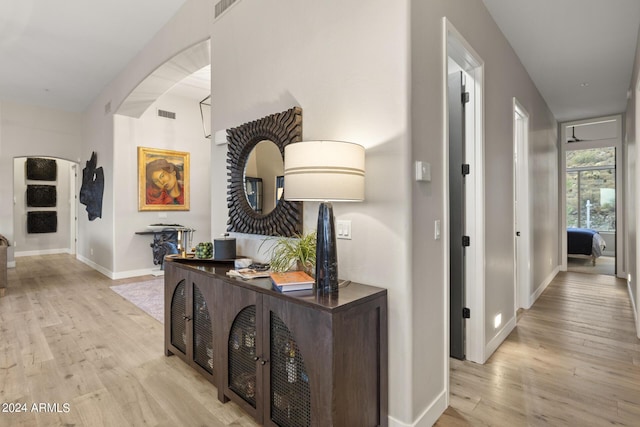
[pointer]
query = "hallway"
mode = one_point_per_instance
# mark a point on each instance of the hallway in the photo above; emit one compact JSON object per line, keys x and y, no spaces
{"x":573,"y":359}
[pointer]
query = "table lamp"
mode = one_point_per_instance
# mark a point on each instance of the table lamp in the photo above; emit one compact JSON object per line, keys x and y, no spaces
{"x":324,"y":171}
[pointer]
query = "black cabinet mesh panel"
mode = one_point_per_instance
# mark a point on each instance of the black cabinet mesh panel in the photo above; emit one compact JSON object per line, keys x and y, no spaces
{"x":178,"y":318}
{"x":290,"y":396}
{"x":242,"y":353}
{"x":202,"y":332}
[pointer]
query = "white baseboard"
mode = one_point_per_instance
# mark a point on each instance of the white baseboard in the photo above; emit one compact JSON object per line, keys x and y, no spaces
{"x":634,"y":308}
{"x":137,"y":273}
{"x":42,"y":252}
{"x":95,"y":266}
{"x":499,"y":338}
{"x":122,"y":274}
{"x":509,"y":326}
{"x":534,"y":296}
{"x":429,"y":416}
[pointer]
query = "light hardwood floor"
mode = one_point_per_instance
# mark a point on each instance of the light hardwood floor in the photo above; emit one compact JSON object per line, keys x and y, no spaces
{"x":573,"y":360}
{"x":66,"y":338}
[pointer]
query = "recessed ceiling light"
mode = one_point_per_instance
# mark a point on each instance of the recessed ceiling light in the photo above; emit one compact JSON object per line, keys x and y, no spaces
{"x":584,"y":84}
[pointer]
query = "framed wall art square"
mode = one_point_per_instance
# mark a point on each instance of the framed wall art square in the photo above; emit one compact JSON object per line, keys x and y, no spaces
{"x":163,"y":180}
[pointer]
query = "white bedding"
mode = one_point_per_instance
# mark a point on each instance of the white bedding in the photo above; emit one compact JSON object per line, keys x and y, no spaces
{"x":598,"y":245}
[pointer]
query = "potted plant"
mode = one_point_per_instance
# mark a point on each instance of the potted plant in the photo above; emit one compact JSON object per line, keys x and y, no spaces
{"x":294,"y":253}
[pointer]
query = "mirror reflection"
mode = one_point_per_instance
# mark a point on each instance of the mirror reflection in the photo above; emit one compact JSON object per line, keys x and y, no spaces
{"x":264,"y":177}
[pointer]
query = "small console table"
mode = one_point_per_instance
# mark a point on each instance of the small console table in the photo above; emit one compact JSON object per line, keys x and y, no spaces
{"x":289,"y":360}
{"x":168,"y":239}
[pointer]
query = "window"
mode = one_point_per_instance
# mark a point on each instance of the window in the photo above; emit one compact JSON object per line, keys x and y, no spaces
{"x":591,"y":188}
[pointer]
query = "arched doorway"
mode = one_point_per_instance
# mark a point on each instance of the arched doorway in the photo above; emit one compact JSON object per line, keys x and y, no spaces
{"x":45,"y":206}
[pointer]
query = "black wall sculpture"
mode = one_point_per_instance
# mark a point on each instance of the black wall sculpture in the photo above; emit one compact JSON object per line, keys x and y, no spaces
{"x":92,"y":188}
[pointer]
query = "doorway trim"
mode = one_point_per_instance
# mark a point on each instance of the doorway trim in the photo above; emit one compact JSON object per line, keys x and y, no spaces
{"x":634,"y":217}
{"x":73,"y":204}
{"x":456,"y":48}
{"x":620,"y":202}
{"x":18,"y":179}
{"x":522,"y":209}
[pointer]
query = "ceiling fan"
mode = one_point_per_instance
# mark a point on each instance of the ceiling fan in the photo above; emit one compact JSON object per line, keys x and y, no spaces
{"x":573,"y":135}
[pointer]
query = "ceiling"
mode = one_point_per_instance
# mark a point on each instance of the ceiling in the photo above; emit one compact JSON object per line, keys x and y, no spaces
{"x":579,"y":53}
{"x":62,"y":54}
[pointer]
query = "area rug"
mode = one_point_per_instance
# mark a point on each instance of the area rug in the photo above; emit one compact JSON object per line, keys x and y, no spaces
{"x":148,"y":296}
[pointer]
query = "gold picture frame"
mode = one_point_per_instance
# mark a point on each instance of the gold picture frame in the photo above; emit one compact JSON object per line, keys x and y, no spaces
{"x":163,"y":180}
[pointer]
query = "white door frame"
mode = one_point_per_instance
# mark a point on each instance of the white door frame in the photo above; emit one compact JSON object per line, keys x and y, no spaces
{"x":620,"y":216}
{"x":522,"y":209}
{"x":73,"y":205}
{"x":635,"y":217}
{"x":456,"y":48}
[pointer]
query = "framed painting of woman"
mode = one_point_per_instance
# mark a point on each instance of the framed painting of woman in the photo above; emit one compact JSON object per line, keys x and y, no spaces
{"x":163,"y":180}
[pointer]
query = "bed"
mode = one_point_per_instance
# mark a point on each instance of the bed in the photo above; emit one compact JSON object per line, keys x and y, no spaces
{"x":584,"y":243}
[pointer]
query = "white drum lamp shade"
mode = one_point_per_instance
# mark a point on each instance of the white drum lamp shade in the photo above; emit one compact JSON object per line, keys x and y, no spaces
{"x":324,"y":171}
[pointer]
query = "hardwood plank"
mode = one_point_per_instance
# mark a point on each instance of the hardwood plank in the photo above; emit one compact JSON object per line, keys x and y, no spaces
{"x":69,"y":339}
{"x":571,"y":360}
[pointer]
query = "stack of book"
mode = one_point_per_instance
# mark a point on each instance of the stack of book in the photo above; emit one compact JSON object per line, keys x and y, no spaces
{"x":291,"y":281}
{"x":248,"y":273}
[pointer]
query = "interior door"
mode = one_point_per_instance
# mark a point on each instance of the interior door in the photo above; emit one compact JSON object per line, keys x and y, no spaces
{"x":456,"y":215}
{"x":522,"y":237}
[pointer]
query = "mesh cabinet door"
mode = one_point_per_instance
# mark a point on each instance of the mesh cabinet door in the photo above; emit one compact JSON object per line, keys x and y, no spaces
{"x":202,"y":331}
{"x":179,"y":318}
{"x":242,"y":354}
{"x":290,"y":399}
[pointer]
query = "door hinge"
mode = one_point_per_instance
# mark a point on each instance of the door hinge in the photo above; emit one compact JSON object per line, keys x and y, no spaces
{"x":466,"y":313}
{"x":465,"y":97}
{"x":466,"y":241}
{"x":466,"y":169}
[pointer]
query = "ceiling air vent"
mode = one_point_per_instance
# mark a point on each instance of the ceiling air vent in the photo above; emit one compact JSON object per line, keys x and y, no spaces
{"x":167,"y":114}
{"x":222,"y":5}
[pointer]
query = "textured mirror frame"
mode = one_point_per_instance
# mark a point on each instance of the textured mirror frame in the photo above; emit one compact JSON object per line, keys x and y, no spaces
{"x":286,"y":219}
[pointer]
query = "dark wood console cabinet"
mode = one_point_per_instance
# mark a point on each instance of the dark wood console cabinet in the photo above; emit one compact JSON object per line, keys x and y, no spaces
{"x":190,"y":321}
{"x":295,"y":359}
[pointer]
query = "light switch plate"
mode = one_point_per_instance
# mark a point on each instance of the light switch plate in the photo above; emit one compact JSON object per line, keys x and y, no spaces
{"x":343,"y":229}
{"x":423,"y":171}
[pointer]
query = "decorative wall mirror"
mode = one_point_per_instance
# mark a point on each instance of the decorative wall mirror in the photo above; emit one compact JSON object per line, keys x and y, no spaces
{"x":255,"y":201}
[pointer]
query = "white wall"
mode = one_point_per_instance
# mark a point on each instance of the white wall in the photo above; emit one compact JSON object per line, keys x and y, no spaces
{"x":27,"y":130}
{"x":504,"y":78}
{"x":41,"y":243}
{"x":189,"y":26}
{"x":346,"y":65}
{"x":632,"y":159}
{"x":365,"y":72}
{"x":133,"y":255}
